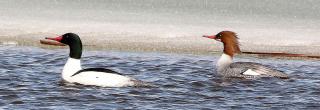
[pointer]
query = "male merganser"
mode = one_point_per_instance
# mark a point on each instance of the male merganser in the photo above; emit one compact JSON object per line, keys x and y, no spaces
{"x":226,"y":67}
{"x":73,"y":73}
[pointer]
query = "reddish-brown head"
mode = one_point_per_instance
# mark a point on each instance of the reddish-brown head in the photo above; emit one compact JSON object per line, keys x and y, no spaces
{"x":229,"y":40}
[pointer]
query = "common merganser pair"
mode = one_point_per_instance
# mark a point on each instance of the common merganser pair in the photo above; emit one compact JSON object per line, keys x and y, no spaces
{"x":73,"y":73}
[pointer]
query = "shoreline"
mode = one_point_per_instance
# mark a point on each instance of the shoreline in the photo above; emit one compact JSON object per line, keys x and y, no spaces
{"x":274,"y":54}
{"x":191,"y":45}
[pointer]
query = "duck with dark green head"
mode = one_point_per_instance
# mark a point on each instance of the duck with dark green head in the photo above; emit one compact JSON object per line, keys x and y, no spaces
{"x":73,"y":73}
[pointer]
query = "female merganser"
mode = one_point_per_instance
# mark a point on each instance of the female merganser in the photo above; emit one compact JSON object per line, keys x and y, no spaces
{"x":73,"y":73}
{"x":227,"y":68}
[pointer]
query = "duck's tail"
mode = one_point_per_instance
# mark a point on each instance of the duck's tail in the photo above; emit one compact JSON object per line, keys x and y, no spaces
{"x":281,"y":75}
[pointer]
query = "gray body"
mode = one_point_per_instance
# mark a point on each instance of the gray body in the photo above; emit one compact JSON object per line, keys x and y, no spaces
{"x":238,"y":69}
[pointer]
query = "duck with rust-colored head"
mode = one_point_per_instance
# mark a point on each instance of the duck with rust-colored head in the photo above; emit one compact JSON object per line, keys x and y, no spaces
{"x":227,"y":68}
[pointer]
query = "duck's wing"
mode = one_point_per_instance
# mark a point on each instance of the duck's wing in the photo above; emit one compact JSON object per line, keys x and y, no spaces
{"x":256,"y":69}
{"x":104,"y":70}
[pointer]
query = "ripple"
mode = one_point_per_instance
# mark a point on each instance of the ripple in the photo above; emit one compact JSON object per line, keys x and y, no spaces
{"x":31,"y":78}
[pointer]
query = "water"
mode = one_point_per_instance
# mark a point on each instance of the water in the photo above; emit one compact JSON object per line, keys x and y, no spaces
{"x":280,"y":22}
{"x":31,"y":78}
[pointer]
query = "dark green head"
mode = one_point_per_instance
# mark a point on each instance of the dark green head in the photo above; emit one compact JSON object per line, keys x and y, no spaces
{"x":74,"y":42}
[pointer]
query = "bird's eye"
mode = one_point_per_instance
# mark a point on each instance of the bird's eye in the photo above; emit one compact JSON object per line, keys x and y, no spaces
{"x":219,"y":36}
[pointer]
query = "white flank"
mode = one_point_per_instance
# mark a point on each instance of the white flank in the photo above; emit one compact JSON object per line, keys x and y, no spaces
{"x":92,"y":77}
{"x":102,"y":79}
{"x":250,"y":72}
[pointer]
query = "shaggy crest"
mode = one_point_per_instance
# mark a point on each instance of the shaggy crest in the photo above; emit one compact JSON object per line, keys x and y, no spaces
{"x":230,"y":42}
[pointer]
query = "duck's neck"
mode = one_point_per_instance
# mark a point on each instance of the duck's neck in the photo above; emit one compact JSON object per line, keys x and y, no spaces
{"x":72,"y":66}
{"x":224,"y":61}
{"x":75,"y":49}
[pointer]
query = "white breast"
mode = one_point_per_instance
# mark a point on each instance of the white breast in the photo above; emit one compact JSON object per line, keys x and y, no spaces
{"x":223,"y":62}
{"x":72,"y":66}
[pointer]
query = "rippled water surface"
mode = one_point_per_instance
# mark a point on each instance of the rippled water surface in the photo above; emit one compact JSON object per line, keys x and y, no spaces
{"x":30,"y":78}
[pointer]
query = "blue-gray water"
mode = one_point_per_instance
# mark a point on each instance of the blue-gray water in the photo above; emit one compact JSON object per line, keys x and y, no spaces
{"x":30,"y":79}
{"x":280,"y":22}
